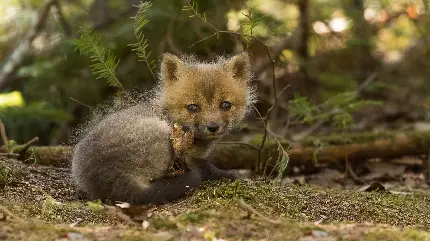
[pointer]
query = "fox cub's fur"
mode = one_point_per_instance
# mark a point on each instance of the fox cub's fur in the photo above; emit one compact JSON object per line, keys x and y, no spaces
{"x":126,"y":155}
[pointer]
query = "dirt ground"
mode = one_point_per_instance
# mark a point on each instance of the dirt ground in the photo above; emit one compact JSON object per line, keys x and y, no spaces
{"x":40,"y":203}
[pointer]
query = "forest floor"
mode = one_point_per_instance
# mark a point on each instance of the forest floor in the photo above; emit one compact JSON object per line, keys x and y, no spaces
{"x":39,"y":203}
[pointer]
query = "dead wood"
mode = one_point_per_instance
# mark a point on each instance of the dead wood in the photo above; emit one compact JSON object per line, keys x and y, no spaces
{"x":361,"y":147}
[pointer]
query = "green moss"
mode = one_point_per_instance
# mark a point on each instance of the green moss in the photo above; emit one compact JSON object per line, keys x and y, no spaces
{"x":193,"y":217}
{"x":397,"y":235}
{"x":6,"y":176}
{"x":11,"y":172}
{"x":310,"y":203}
{"x":163,"y":223}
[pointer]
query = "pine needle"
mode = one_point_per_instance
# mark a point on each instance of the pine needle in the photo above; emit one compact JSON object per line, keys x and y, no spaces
{"x":104,"y":63}
{"x":140,"y":47}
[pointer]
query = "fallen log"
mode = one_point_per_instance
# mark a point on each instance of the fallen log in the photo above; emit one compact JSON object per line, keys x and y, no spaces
{"x":335,"y":149}
{"x":358,"y":147}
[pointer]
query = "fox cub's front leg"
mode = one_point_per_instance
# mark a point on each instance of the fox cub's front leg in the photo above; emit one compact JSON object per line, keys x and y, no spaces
{"x":210,"y":172}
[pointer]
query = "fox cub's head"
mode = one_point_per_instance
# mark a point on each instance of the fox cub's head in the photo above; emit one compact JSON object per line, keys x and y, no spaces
{"x":209,"y":98}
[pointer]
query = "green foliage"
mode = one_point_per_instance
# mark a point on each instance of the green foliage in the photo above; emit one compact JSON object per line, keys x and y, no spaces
{"x":282,"y":162}
{"x":95,"y":205}
{"x":254,"y":19}
{"x":339,"y":108}
{"x":140,"y":47}
{"x":301,"y":108}
{"x":6,"y":176}
{"x":24,"y":123}
{"x":342,"y":120}
{"x":105,"y":64}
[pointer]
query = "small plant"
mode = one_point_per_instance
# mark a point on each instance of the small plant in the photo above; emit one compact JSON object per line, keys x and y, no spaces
{"x":141,"y":46}
{"x":95,"y":206}
{"x":104,"y":62}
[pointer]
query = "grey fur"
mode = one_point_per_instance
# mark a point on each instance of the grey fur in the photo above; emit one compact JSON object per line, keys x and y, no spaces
{"x":118,"y":158}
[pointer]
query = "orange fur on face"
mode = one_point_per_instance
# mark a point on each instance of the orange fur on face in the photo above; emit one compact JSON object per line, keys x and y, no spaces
{"x":206,"y":85}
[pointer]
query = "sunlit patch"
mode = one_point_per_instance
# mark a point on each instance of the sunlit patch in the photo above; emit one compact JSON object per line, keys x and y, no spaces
{"x":320,"y":27}
{"x":338,"y":24}
{"x":11,"y":99}
{"x":371,"y":14}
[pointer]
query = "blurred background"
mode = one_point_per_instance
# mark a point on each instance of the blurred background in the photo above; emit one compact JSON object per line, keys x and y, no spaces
{"x":323,"y":50}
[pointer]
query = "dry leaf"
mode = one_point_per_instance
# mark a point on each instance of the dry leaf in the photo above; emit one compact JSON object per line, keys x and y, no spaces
{"x":182,"y":140}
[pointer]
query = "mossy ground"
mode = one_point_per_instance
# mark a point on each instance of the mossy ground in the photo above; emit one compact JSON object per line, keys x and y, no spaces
{"x":43,"y":204}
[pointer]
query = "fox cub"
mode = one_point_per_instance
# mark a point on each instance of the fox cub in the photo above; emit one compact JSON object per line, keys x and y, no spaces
{"x":125,"y":157}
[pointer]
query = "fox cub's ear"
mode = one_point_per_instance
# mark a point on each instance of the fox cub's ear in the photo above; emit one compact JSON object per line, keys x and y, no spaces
{"x":170,"y":64}
{"x":241,"y":67}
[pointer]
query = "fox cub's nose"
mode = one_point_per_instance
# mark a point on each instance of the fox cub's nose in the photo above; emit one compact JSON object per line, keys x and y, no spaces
{"x":212,"y":127}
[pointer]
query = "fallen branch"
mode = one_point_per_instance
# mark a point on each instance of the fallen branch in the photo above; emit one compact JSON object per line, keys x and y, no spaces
{"x":14,"y":155}
{"x":16,"y":58}
{"x":363,"y":146}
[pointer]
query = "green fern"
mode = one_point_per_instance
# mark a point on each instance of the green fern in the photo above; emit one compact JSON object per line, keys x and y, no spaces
{"x":105,"y":63}
{"x":140,"y":47}
{"x":282,"y":162}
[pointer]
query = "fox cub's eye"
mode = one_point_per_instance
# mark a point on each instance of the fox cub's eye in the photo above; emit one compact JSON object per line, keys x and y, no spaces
{"x":193,"y":108}
{"x":225,"y":105}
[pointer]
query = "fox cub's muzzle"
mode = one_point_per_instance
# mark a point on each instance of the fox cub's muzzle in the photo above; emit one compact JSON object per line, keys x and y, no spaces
{"x":212,"y":127}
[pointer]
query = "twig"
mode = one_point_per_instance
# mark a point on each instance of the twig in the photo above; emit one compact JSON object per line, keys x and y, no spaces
{"x":59,"y":14}
{"x":288,"y":42}
{"x":81,"y":103}
{"x":427,"y":164}
{"x":246,"y":206}
{"x":17,"y":57}
{"x":351,"y":172}
{"x":28,"y":144}
{"x":79,"y":221}
{"x":322,"y":219}
{"x":10,"y":155}
{"x":239,"y":143}
{"x":116,"y":211}
{"x":3,"y":133}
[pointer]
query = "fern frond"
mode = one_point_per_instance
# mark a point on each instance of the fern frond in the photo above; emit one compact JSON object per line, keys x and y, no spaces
{"x":283,"y":160}
{"x":105,"y":63}
{"x":140,"y":47}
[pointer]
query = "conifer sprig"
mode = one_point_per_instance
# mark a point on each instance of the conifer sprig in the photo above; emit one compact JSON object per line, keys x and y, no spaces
{"x":140,"y":47}
{"x":104,"y":62}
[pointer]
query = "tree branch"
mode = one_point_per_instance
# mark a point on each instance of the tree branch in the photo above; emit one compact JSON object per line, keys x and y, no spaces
{"x":16,"y":58}
{"x":59,"y":14}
